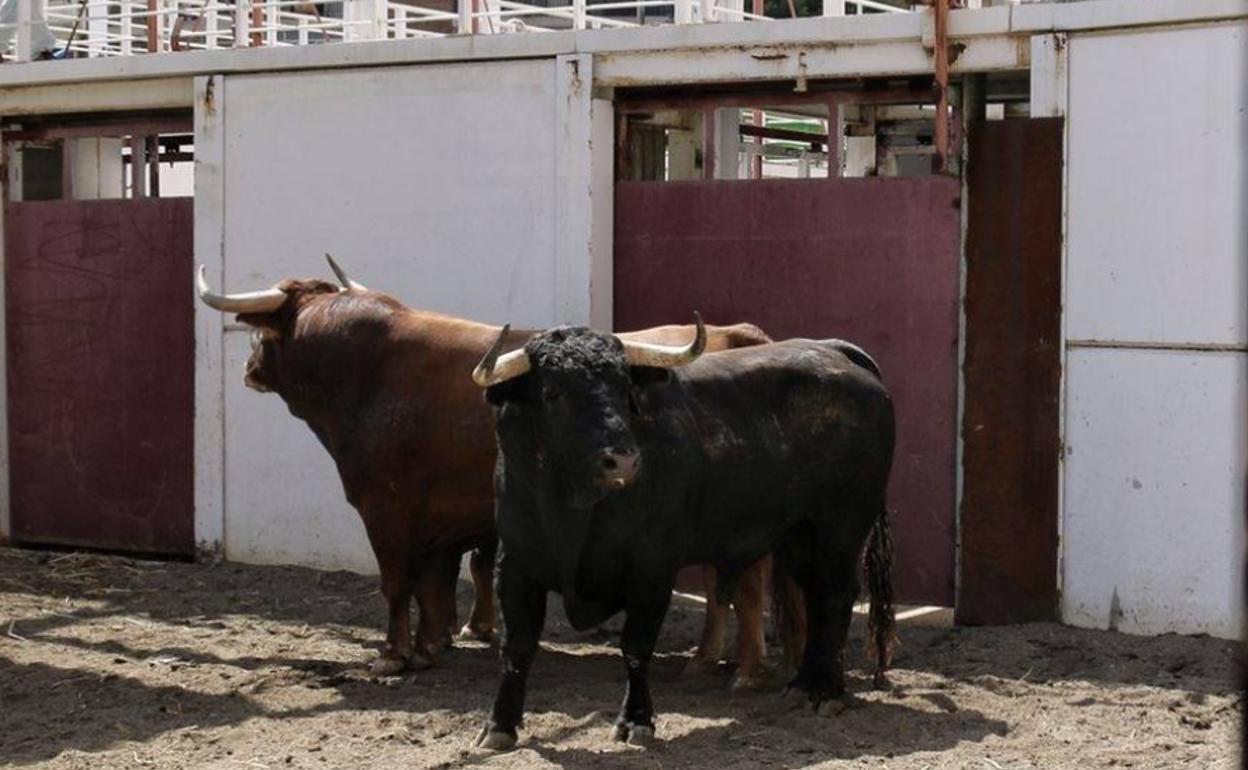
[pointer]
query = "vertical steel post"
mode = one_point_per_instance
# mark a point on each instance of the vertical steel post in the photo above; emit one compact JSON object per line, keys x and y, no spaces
{"x":942,"y":85}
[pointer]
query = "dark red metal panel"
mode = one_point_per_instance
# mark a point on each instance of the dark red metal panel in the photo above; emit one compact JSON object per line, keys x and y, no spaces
{"x":873,"y":261}
{"x":1010,"y":425}
{"x":101,"y":373}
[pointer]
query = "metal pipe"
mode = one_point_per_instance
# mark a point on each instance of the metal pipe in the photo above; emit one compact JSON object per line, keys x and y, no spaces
{"x":942,"y":85}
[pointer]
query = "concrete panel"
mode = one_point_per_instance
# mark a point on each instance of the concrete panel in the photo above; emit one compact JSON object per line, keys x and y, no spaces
{"x":284,"y":503}
{"x":1156,"y":233}
{"x":415,"y":178}
{"x":1154,"y":490}
{"x":420,"y":181}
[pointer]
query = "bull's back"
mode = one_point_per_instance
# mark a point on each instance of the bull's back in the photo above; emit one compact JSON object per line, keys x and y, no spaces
{"x":777,"y":430}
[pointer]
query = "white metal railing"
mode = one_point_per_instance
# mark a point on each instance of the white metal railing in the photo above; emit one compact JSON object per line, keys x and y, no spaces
{"x":125,"y":27}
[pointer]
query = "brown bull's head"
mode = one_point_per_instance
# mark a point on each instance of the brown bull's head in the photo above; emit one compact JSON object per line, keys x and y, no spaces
{"x":273,"y":315}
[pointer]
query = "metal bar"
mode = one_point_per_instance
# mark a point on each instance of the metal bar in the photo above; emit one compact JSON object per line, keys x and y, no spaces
{"x":778,"y":99}
{"x":684,"y":12}
{"x":257,"y":19}
{"x":24,"y":15}
{"x":1207,"y":347}
{"x":708,"y":143}
{"x":97,"y":28}
{"x":170,"y":125}
{"x":153,"y":165}
{"x":942,"y":84}
{"x":67,"y":169}
{"x":763,"y":132}
{"x":153,"y":26}
{"x":138,"y":166}
{"x":242,"y":23}
{"x":211,"y":20}
{"x":127,"y":29}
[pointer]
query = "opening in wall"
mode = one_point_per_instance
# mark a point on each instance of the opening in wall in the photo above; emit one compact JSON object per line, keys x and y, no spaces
{"x":99,"y":160}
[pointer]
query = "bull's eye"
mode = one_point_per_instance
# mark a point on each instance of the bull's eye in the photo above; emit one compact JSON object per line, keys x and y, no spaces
{"x":551,"y":395}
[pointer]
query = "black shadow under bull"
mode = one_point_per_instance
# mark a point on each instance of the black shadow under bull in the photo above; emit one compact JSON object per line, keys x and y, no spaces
{"x":619,"y":462}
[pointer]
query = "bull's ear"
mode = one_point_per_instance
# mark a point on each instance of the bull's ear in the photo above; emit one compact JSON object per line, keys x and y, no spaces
{"x":508,"y":390}
{"x":650,"y":375}
{"x":268,"y":321}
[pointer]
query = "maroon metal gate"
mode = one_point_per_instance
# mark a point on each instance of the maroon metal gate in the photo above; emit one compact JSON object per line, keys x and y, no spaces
{"x":101,"y":373}
{"x":873,"y":261}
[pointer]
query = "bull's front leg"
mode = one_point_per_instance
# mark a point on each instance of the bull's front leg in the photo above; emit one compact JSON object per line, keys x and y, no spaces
{"x":523,"y":604}
{"x":396,"y":587}
{"x":635,"y":724}
{"x":435,"y":595}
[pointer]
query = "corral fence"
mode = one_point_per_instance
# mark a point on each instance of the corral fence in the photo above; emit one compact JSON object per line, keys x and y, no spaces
{"x":92,"y":28}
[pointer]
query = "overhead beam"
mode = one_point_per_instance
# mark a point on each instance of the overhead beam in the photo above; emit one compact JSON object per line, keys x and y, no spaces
{"x":871,"y":44}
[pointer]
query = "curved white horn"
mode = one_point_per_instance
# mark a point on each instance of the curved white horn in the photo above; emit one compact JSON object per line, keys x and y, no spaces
{"x":265,"y":301}
{"x":343,"y":278}
{"x":494,"y":368}
{"x":667,"y":356}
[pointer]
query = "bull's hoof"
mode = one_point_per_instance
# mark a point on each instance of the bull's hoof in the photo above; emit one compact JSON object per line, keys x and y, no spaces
{"x":831,"y":708}
{"x":753,"y":681}
{"x":469,"y":633}
{"x":791,"y":699}
{"x":879,"y":681}
{"x":699,"y":666}
{"x":419,"y":662}
{"x":490,"y":739}
{"x":385,"y":666}
{"x":633,"y":734}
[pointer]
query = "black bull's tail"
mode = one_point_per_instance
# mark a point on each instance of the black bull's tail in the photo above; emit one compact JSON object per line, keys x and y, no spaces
{"x":881,"y":620}
{"x":789,"y":613}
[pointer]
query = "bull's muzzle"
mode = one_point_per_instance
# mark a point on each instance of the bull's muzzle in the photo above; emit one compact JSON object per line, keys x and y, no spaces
{"x":618,"y":467}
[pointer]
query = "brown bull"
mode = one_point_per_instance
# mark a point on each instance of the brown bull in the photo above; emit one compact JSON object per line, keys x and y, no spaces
{"x":386,"y":390}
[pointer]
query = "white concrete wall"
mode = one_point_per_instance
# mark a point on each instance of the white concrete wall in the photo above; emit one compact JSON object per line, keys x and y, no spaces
{"x":463,"y":188}
{"x":1156,"y":329}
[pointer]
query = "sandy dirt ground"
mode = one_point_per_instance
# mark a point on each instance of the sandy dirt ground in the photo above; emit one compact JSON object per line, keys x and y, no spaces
{"x":108,"y":662}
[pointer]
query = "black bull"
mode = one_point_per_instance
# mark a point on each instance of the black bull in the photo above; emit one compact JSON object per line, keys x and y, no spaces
{"x":611,"y":476}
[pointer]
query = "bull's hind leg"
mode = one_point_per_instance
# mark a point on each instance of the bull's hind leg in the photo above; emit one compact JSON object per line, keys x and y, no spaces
{"x":644,"y":617}
{"x":830,"y":584}
{"x":714,"y":628}
{"x":524,"y":613}
{"x":753,"y":671}
{"x":480,"y":625}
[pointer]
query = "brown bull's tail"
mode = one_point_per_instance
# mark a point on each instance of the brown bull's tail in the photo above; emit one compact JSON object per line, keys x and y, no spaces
{"x":881,"y":623}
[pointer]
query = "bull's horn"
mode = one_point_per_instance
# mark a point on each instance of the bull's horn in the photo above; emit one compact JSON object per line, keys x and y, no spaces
{"x":667,"y":356}
{"x":265,"y":301}
{"x":494,"y":368}
{"x":343,"y":278}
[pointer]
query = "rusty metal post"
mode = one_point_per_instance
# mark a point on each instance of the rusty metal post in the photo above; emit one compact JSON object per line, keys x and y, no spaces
{"x":138,"y":166}
{"x":257,"y":21}
{"x":708,"y":143}
{"x":941,"y":10}
{"x":153,"y":165}
{"x":153,"y":26}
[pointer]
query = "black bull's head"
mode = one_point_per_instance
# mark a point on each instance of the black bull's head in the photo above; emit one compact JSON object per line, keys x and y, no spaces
{"x":568,"y":405}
